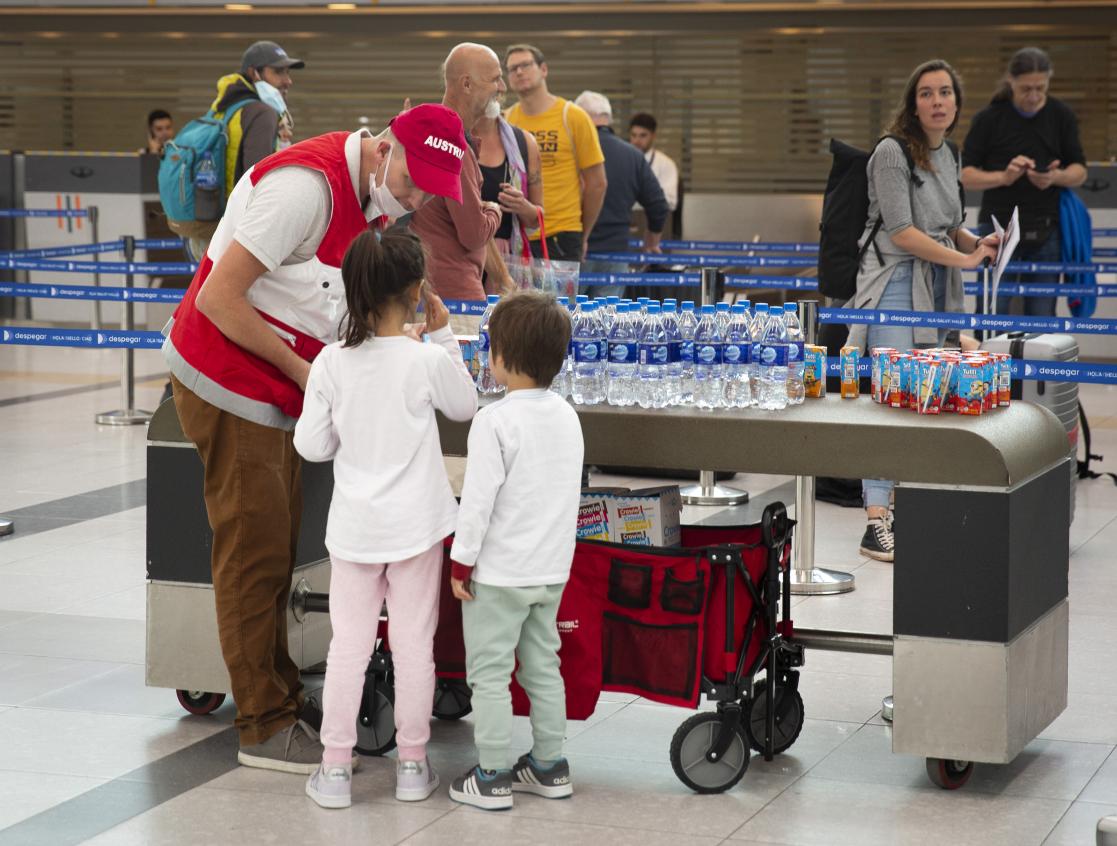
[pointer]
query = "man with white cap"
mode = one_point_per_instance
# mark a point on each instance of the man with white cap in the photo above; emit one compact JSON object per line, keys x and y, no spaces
{"x":266,"y":298}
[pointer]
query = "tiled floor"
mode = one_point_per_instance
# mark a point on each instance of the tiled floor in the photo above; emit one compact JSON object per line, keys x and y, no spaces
{"x":89,"y":754}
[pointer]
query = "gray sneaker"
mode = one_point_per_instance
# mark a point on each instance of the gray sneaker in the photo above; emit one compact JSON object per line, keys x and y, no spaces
{"x":294,"y":750}
{"x":331,"y":786}
{"x":553,"y":783}
{"x":490,"y":790}
{"x":415,"y":780}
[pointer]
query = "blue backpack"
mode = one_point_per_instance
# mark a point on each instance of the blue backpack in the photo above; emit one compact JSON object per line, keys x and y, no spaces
{"x":184,"y":153}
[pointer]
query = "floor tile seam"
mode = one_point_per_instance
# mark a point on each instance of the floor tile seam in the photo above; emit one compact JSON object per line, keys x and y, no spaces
{"x":795,"y":780}
{"x":423,"y":828}
{"x":64,"y":688}
{"x":521,"y":814}
{"x":139,"y":663}
{"x":173,"y":718}
{"x":931,"y":789}
{"x":142,"y":583}
{"x":1094,"y":775}
{"x":1058,"y":822}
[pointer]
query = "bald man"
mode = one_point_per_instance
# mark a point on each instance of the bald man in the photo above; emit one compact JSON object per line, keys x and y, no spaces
{"x":457,"y":234}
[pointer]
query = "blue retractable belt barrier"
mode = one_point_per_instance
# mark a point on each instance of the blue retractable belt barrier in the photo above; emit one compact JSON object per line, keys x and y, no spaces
{"x":41,"y":336}
{"x":168,"y":268}
{"x":951,"y":320}
{"x":76,"y":250}
{"x":91,"y":292}
{"x":680,"y":280}
{"x":733,"y":246}
{"x":44,"y":213}
{"x":159,"y":244}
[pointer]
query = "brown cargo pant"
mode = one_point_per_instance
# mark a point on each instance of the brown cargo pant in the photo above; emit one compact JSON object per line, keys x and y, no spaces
{"x":253,"y":493}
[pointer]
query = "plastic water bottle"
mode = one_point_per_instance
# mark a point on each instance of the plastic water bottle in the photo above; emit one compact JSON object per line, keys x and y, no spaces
{"x":759,"y":325}
{"x":561,"y":383}
{"x":207,"y":202}
{"x":486,"y":383}
{"x":795,"y":361}
{"x":624,"y":358}
{"x":688,"y":325}
{"x":653,"y":361}
{"x":721,"y":315}
{"x":773,"y":362}
{"x":709,"y":384}
{"x":673,"y":375}
{"x":587,"y":386}
{"x":737,"y":356}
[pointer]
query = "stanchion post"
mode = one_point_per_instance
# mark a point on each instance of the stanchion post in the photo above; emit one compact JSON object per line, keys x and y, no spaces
{"x":805,"y":577}
{"x":708,"y":491}
{"x":95,"y":232}
{"x":128,"y":415}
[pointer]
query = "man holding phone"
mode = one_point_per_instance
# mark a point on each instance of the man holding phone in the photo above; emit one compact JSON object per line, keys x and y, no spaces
{"x":1020,"y":151}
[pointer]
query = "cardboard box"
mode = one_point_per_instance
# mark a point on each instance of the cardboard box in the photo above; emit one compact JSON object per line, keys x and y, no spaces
{"x":645,"y":517}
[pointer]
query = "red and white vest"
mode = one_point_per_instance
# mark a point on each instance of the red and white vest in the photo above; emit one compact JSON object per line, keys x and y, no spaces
{"x":303,"y":302}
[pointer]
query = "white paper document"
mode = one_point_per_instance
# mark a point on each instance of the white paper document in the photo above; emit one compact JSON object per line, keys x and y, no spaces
{"x":1010,"y":238}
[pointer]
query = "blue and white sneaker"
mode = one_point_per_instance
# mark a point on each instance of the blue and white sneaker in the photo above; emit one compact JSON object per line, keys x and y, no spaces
{"x":491,"y":790}
{"x":331,"y":786}
{"x":551,"y":783}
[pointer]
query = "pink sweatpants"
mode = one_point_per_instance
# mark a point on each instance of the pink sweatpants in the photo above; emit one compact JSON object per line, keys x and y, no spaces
{"x":357,"y":592}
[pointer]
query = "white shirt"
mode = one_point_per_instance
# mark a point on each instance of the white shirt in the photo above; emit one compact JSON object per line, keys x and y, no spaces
{"x":667,"y":173}
{"x":281,"y":220}
{"x":523,"y":482}
{"x":371,"y":409}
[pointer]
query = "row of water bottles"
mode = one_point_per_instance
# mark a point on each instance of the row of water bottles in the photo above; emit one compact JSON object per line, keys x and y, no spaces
{"x":656,"y":355}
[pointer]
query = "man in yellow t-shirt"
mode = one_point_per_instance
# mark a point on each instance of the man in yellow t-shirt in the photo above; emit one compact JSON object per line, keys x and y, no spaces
{"x":573,"y":166}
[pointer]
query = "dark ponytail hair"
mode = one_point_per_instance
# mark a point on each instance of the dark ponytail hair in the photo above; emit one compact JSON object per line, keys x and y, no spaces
{"x":378,"y":272}
{"x":905,"y":120}
{"x":1026,"y":60}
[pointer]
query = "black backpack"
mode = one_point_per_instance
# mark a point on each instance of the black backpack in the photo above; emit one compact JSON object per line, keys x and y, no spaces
{"x":845,"y":208}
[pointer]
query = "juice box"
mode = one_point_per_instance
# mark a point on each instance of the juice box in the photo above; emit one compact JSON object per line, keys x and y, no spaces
{"x":814,"y":370}
{"x":970,"y":394}
{"x":850,"y":358}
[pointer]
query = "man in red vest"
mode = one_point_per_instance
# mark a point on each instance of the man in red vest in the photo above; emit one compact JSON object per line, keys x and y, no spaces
{"x":267,"y":297}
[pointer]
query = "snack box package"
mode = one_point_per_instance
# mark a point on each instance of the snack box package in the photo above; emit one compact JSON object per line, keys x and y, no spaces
{"x":901,"y":381}
{"x":992,"y":383}
{"x":849,"y":360}
{"x":594,"y":522}
{"x":646,"y":517}
{"x":970,"y":394}
{"x":814,"y":371}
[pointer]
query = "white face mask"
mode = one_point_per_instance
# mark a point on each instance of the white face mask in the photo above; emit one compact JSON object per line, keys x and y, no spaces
{"x":383,"y":199}
{"x":492,"y":109}
{"x":270,"y":95}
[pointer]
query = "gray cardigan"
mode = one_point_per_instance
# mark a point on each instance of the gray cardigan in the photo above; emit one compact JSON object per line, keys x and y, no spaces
{"x":933,"y":207}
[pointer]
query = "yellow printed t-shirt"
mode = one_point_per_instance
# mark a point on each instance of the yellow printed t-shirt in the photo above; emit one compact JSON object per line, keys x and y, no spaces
{"x":564,"y":151}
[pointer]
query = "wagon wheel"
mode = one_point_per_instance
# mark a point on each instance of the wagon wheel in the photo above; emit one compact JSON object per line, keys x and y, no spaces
{"x":452,"y":699}
{"x":789,"y":717}
{"x":689,"y":748}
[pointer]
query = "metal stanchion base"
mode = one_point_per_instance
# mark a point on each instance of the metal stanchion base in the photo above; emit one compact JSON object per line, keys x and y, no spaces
{"x":6,"y":527}
{"x":713,"y":495}
{"x":820,"y":581}
{"x":886,"y":708}
{"x":123,"y":417}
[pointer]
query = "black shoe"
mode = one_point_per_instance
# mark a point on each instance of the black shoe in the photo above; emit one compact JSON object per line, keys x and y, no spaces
{"x":488,"y":789}
{"x":553,"y":783}
{"x":878,"y":542}
{"x":311,"y":712}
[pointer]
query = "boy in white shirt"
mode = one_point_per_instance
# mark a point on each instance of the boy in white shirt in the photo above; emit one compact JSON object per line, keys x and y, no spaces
{"x":513,"y":549}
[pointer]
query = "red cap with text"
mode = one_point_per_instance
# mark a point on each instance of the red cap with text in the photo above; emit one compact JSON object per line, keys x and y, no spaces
{"x":433,"y":139}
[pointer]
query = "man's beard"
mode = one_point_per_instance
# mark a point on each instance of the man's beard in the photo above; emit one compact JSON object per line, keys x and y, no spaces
{"x":492,"y":108}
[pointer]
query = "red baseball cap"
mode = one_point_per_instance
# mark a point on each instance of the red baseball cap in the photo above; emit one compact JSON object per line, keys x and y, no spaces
{"x":434,"y":142}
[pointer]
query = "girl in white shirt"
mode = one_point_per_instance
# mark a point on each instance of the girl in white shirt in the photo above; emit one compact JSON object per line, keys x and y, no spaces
{"x":370,"y":406}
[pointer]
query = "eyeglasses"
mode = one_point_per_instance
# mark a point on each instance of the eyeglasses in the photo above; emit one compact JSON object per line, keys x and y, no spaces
{"x":522,"y":66}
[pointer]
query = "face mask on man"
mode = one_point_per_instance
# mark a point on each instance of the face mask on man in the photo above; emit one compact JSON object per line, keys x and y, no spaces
{"x":492,"y":109}
{"x":270,"y":95}
{"x":382,"y":198}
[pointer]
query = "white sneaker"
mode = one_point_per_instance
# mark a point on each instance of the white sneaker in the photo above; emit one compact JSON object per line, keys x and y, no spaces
{"x":415,"y":780}
{"x":331,"y":786}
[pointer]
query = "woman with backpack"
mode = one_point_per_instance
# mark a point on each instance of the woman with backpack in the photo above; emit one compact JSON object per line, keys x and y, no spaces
{"x":917,"y":246}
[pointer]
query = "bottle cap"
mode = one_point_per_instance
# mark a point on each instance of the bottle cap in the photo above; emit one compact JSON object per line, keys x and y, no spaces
{"x":708,"y":309}
{"x":493,"y":299}
{"x":653,"y":308}
{"x":776,"y":310}
{"x":670,"y":308}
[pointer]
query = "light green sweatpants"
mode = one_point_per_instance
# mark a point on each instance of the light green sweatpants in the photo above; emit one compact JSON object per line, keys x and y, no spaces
{"x":500,"y":625}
